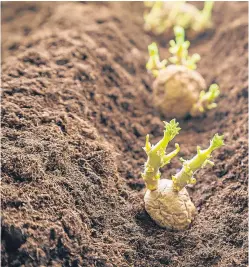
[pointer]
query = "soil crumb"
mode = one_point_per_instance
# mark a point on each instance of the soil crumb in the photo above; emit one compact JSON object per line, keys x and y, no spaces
{"x":76,"y":106}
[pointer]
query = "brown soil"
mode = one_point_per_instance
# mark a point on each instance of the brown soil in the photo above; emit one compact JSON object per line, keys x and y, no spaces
{"x":76,"y":106}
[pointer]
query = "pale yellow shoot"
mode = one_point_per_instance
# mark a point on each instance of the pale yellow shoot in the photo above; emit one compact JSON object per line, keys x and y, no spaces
{"x":166,"y":14}
{"x":192,"y":60}
{"x":179,"y":50}
{"x":173,"y":14}
{"x":206,"y":100}
{"x":157,"y":157}
{"x":184,"y":19}
{"x":204,"y":19}
{"x":185,"y":176}
{"x":153,"y":19}
{"x":154,"y":64}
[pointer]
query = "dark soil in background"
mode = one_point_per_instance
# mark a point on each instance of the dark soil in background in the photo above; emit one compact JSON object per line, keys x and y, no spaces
{"x":76,"y":106}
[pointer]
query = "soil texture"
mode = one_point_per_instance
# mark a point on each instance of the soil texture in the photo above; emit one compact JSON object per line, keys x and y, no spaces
{"x":76,"y":106}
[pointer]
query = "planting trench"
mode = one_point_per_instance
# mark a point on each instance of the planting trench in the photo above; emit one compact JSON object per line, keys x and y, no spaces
{"x":76,"y":106}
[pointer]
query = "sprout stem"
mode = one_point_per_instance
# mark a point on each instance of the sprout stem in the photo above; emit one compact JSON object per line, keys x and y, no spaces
{"x":200,"y":160}
{"x":206,"y":100}
{"x":179,"y":50}
{"x":157,"y":157}
{"x":154,"y":64}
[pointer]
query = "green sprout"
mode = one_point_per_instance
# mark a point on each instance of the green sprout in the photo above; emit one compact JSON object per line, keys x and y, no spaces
{"x":206,"y":100}
{"x":157,"y":157}
{"x":179,"y":50}
{"x":185,"y":175}
{"x":154,"y":64}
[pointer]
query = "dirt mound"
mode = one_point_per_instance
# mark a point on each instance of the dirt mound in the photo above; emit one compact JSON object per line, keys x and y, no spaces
{"x":76,"y":106}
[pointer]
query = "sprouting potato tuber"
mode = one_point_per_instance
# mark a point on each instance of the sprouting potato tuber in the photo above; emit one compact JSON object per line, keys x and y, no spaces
{"x":164,"y":15}
{"x":178,"y":88}
{"x":167,"y":201}
{"x":168,"y":207}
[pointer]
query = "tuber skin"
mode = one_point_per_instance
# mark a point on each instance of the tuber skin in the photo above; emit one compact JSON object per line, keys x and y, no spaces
{"x":167,"y":200}
{"x":178,"y":89}
{"x":169,"y":208}
{"x":165,"y":15}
